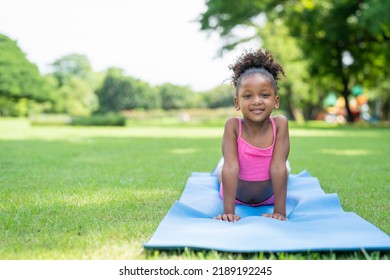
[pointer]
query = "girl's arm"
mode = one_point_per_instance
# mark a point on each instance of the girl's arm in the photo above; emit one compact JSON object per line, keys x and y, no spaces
{"x":230,"y":171}
{"x":279,"y":173}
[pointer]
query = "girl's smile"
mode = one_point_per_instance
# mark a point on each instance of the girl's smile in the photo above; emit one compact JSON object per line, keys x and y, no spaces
{"x":256,"y":97}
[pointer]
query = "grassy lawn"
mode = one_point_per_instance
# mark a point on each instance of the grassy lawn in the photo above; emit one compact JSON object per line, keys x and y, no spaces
{"x":100,"y":193}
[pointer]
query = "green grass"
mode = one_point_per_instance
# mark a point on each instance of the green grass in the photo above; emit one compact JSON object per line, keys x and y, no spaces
{"x":100,"y":193}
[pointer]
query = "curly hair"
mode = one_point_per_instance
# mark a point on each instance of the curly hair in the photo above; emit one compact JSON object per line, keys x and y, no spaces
{"x":255,"y":62}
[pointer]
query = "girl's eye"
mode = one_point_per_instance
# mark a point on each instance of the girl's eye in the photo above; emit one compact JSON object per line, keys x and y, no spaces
{"x":265,"y":94}
{"x":247,"y":96}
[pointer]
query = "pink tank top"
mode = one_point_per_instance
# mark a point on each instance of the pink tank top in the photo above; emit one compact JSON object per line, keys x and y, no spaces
{"x":254,"y":162}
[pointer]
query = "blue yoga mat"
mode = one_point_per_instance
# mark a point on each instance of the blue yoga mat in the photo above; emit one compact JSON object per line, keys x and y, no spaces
{"x":316,"y":222}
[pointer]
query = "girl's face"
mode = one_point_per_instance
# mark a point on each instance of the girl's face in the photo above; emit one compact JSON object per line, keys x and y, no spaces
{"x":256,"y":98}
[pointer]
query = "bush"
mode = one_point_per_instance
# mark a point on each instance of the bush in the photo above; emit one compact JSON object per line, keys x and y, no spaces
{"x":100,"y":120}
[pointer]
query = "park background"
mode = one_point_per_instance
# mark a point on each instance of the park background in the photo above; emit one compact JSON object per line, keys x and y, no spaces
{"x":91,"y":160}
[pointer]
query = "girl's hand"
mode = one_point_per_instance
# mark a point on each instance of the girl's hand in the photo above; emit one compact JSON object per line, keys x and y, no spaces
{"x":277,"y":216}
{"x":228,"y":217}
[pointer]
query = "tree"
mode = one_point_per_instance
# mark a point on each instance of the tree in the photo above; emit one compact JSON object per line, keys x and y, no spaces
{"x":76,"y":83}
{"x":115,"y":91}
{"x":297,"y":97}
{"x":73,"y":65}
{"x":75,"y":98}
{"x":20,"y":80}
{"x":145,"y":96}
{"x":175,"y":97}
{"x":119,"y":92}
{"x":344,"y":41}
{"x":220,"y":96}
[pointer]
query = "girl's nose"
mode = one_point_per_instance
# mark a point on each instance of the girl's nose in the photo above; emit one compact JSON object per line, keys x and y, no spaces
{"x":256,"y":99}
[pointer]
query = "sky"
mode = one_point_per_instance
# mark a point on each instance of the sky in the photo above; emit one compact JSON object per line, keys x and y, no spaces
{"x":157,"y":41}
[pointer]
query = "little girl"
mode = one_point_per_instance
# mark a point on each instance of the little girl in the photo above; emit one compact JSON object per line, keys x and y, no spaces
{"x":255,"y":148}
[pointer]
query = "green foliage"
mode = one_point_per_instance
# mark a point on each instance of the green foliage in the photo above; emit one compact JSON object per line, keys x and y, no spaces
{"x":119,"y":92}
{"x":175,"y":97}
{"x":114,"y":92}
{"x":145,"y":96}
{"x":295,"y":91}
{"x":110,"y":119}
{"x":223,"y":16}
{"x":75,"y":85}
{"x":327,"y":32}
{"x":72,"y":64}
{"x":75,"y":98}
{"x":381,"y":96}
{"x":20,"y":80}
{"x":220,"y":96}
{"x":12,"y":108}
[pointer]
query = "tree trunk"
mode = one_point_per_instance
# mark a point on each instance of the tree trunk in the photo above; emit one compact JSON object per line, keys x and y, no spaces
{"x":345,"y":93}
{"x":289,"y":107}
